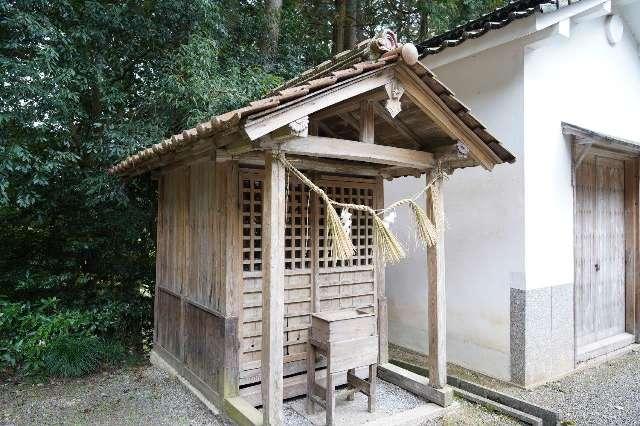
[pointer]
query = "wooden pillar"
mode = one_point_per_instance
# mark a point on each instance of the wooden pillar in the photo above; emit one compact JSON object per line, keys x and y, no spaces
{"x":436,"y":307}
{"x":367,"y":121}
{"x":228,"y":247}
{"x":379,"y":268}
{"x":273,"y":228}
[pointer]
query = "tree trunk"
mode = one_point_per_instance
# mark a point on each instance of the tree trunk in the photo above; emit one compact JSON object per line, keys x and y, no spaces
{"x":338,"y":26}
{"x":351,"y":24}
{"x":270,"y":42}
{"x":424,"y":24}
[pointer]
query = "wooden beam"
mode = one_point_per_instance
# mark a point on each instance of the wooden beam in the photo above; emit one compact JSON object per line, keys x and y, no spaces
{"x":327,"y":130}
{"x":315,"y":146}
{"x":273,"y":229}
{"x":348,"y":118}
{"x":316,"y":101}
{"x":242,"y":412}
{"x":415,"y":384}
{"x":396,"y":124}
{"x":436,"y":322}
{"x":434,"y":107}
{"x":324,"y":165}
{"x":350,"y":105}
{"x":367,"y":122}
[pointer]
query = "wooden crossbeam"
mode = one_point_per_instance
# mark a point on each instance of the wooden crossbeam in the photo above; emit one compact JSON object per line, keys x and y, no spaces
{"x":316,"y":146}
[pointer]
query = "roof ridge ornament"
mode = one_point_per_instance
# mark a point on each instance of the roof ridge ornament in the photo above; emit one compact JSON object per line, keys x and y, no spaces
{"x":386,"y":44}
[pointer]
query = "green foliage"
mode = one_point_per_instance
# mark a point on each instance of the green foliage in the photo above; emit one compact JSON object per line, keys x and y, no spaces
{"x":78,"y":355}
{"x":43,"y":338}
{"x":85,"y":83}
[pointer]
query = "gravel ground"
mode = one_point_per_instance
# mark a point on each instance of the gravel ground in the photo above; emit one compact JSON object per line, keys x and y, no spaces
{"x":606,"y":393}
{"x":133,"y":396}
{"x":390,"y":400}
{"x":146,"y":395}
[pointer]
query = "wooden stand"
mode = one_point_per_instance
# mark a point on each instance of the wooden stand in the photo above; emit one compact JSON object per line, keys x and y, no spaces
{"x":348,"y":340}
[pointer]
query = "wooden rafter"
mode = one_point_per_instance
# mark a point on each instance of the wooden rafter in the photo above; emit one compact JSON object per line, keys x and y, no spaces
{"x":396,"y":124}
{"x":424,"y":97}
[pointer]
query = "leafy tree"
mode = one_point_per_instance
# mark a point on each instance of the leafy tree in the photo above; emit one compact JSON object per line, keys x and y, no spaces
{"x":85,"y":83}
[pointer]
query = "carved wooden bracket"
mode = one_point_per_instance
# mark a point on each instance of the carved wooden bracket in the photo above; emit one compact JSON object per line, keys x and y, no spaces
{"x":300,"y":127}
{"x":463,"y":150}
{"x":297,"y":128}
{"x":395,"y":90}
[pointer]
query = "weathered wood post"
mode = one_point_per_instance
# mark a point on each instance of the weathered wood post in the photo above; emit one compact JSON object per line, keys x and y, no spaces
{"x":436,"y":303}
{"x":273,"y":229}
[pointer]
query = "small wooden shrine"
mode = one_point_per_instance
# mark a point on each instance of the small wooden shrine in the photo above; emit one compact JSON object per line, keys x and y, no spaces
{"x":247,"y":248}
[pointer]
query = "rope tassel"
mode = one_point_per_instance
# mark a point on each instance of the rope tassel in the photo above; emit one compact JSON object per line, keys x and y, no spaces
{"x":427,"y":232}
{"x":339,"y":241}
{"x":393,"y":251}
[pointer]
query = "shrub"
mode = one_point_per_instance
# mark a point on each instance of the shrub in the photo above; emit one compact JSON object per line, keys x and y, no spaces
{"x":74,"y":356}
{"x":46,"y":338}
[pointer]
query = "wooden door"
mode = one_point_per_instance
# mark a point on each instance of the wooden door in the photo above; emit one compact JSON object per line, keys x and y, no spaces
{"x":600,"y":251}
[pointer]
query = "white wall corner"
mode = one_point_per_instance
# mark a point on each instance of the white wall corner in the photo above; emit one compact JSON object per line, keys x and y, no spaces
{"x":595,"y":12}
{"x":564,"y":28}
{"x":544,"y":20}
{"x":559,"y":30}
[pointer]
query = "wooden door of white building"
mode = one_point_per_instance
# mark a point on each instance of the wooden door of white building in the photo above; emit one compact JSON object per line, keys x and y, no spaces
{"x":600,"y":290}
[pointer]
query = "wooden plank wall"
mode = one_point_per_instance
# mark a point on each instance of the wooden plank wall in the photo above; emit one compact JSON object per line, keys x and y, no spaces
{"x":195,"y":306}
{"x":323,"y":282}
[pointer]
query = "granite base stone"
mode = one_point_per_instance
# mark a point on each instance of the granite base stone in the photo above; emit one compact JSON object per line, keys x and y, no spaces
{"x":542,"y":334}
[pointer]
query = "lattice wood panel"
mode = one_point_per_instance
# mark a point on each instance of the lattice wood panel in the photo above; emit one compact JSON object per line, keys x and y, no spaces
{"x":297,"y":252}
{"x":297,"y":231}
{"x":361,"y":224}
{"x":251,"y":207}
{"x":339,"y":285}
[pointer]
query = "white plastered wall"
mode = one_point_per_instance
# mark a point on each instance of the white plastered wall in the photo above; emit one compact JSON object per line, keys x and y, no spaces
{"x":581,"y":80}
{"x":521,"y":95}
{"x":485,"y":214}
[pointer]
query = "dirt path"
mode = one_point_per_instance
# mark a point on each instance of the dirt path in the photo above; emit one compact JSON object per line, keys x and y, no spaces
{"x":133,"y":396}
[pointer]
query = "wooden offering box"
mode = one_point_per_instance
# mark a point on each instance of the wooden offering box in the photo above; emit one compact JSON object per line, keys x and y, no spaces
{"x":348,"y":340}
{"x":349,"y":335}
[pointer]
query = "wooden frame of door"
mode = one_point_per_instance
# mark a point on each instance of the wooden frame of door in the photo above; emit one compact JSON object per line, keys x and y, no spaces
{"x":580,"y":148}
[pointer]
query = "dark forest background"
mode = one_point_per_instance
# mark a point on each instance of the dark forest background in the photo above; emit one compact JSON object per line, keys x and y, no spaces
{"x":85,"y":83}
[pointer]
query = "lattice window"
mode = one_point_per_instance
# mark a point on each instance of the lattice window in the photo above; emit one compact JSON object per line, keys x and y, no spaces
{"x":361,"y":225}
{"x":251,"y":196}
{"x":297,"y":250}
{"x":297,"y":228}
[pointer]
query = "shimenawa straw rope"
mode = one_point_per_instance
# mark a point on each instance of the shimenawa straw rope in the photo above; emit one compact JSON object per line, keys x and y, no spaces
{"x":340,"y":242}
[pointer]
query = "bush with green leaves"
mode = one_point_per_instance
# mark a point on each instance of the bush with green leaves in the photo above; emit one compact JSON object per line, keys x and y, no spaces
{"x":41,"y":339}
